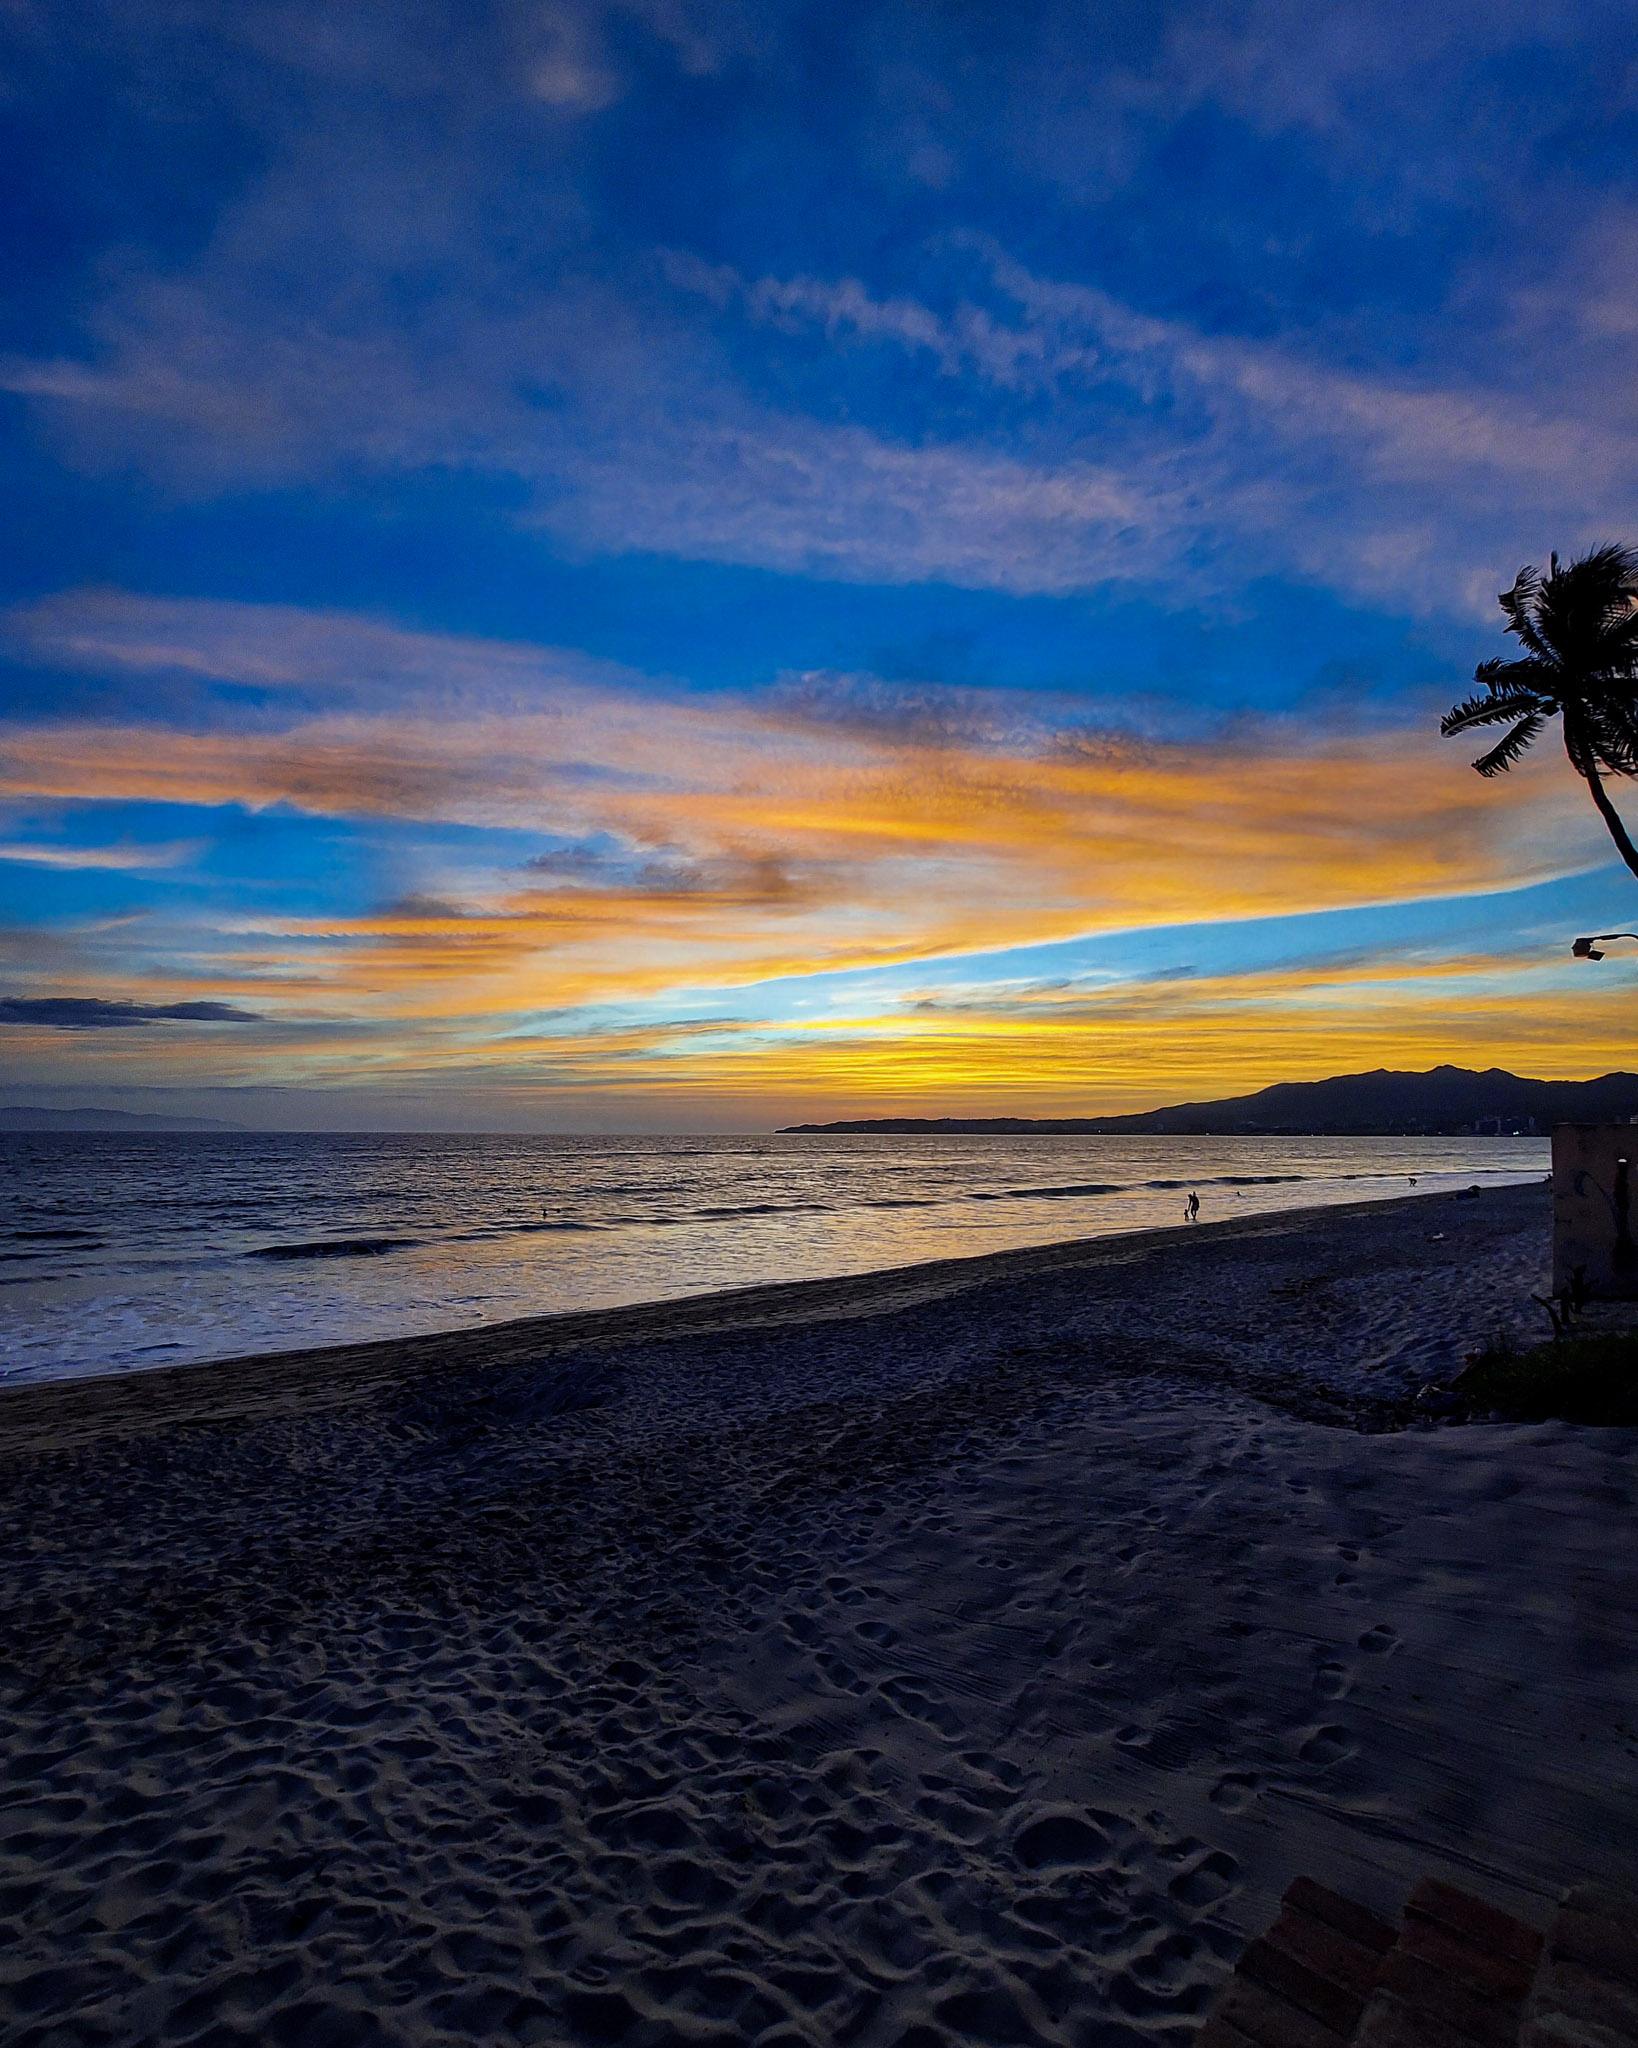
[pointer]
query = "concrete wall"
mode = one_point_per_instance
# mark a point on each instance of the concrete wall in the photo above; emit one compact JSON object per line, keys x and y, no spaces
{"x":1595,"y":1209}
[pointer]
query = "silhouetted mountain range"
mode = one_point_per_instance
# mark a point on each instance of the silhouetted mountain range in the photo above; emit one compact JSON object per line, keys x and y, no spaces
{"x":25,"y":1117}
{"x":1445,"y":1102}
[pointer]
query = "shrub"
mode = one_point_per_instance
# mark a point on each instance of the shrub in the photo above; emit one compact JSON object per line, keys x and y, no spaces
{"x":1581,"y":1379}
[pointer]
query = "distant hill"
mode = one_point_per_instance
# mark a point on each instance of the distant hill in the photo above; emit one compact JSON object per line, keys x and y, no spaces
{"x":26,"y":1118}
{"x":1449,"y":1101}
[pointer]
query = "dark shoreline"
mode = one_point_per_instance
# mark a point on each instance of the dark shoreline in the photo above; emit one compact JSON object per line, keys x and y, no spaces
{"x":259,"y":1385}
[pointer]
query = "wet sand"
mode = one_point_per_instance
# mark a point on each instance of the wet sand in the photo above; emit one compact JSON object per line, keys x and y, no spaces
{"x":965,"y":1654}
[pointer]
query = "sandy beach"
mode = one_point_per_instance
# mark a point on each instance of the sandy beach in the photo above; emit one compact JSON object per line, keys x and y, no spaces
{"x":966,"y":1654}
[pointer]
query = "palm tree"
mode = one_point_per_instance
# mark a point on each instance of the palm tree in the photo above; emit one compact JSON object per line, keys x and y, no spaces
{"x":1579,"y":628}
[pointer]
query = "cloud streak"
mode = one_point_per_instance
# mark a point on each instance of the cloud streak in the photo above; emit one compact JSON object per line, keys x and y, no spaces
{"x":1215,"y":406}
{"x":724,"y":839}
{"x":97,"y":1013}
{"x":124,"y":858}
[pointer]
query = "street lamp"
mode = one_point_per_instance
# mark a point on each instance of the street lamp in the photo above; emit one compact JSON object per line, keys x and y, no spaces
{"x":1591,"y":949}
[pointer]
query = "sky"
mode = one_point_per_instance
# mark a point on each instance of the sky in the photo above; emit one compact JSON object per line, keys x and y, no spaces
{"x":633,"y":565}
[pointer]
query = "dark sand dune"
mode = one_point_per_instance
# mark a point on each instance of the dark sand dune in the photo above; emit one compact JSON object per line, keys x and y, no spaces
{"x":964,"y":1655}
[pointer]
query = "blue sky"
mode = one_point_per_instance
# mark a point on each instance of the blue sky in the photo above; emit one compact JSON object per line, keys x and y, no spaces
{"x":643,"y":565}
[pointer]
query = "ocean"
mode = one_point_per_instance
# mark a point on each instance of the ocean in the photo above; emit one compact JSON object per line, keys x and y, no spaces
{"x":123,"y":1252}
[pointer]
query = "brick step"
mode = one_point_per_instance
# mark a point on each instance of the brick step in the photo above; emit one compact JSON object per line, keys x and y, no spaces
{"x":1586,"y":1990}
{"x":1456,"y":1973}
{"x":1305,"y":1983}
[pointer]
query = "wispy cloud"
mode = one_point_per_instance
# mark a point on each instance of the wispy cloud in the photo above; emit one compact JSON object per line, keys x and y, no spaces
{"x":328,"y":657}
{"x":1379,"y":453}
{"x":814,"y":500}
{"x":124,"y":858}
{"x":351,"y":313}
{"x":676,"y":463}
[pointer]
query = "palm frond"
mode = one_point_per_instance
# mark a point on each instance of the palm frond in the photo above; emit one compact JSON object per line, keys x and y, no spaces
{"x":1609,"y":735}
{"x":1530,"y":673}
{"x":1618,"y":641}
{"x":1611,"y":564}
{"x":1522,"y":604}
{"x":1620,"y":714}
{"x":1507,"y":749}
{"x":1581,"y":602}
{"x":1492,"y":710}
{"x":1522,"y":597}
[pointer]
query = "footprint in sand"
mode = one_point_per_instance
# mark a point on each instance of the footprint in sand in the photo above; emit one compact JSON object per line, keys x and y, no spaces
{"x":842,"y":1676}
{"x":994,"y":1770}
{"x":1063,"y":1840}
{"x":907,"y":1698}
{"x":1380,"y":1640}
{"x":1235,"y":1791}
{"x":1327,"y":1746}
{"x":1208,"y":1881}
{"x":959,"y":1818}
{"x":1331,"y":1679}
{"x":1169,"y":1745}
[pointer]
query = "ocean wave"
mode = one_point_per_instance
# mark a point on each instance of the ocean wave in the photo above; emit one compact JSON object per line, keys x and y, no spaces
{"x":334,"y":1248}
{"x":764,"y":1209}
{"x":53,"y":1237}
{"x":1230,"y":1180}
{"x":546,"y":1224}
{"x":1048,"y":1194}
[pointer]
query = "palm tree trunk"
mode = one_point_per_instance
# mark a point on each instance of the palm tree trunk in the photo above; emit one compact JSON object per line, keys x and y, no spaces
{"x":1610,"y":815}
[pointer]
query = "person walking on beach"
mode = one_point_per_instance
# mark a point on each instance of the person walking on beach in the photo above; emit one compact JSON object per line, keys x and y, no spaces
{"x":1191,"y":1208}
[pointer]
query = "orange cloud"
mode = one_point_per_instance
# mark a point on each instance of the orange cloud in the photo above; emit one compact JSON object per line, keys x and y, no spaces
{"x":719,"y":841}
{"x":889,"y":848}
